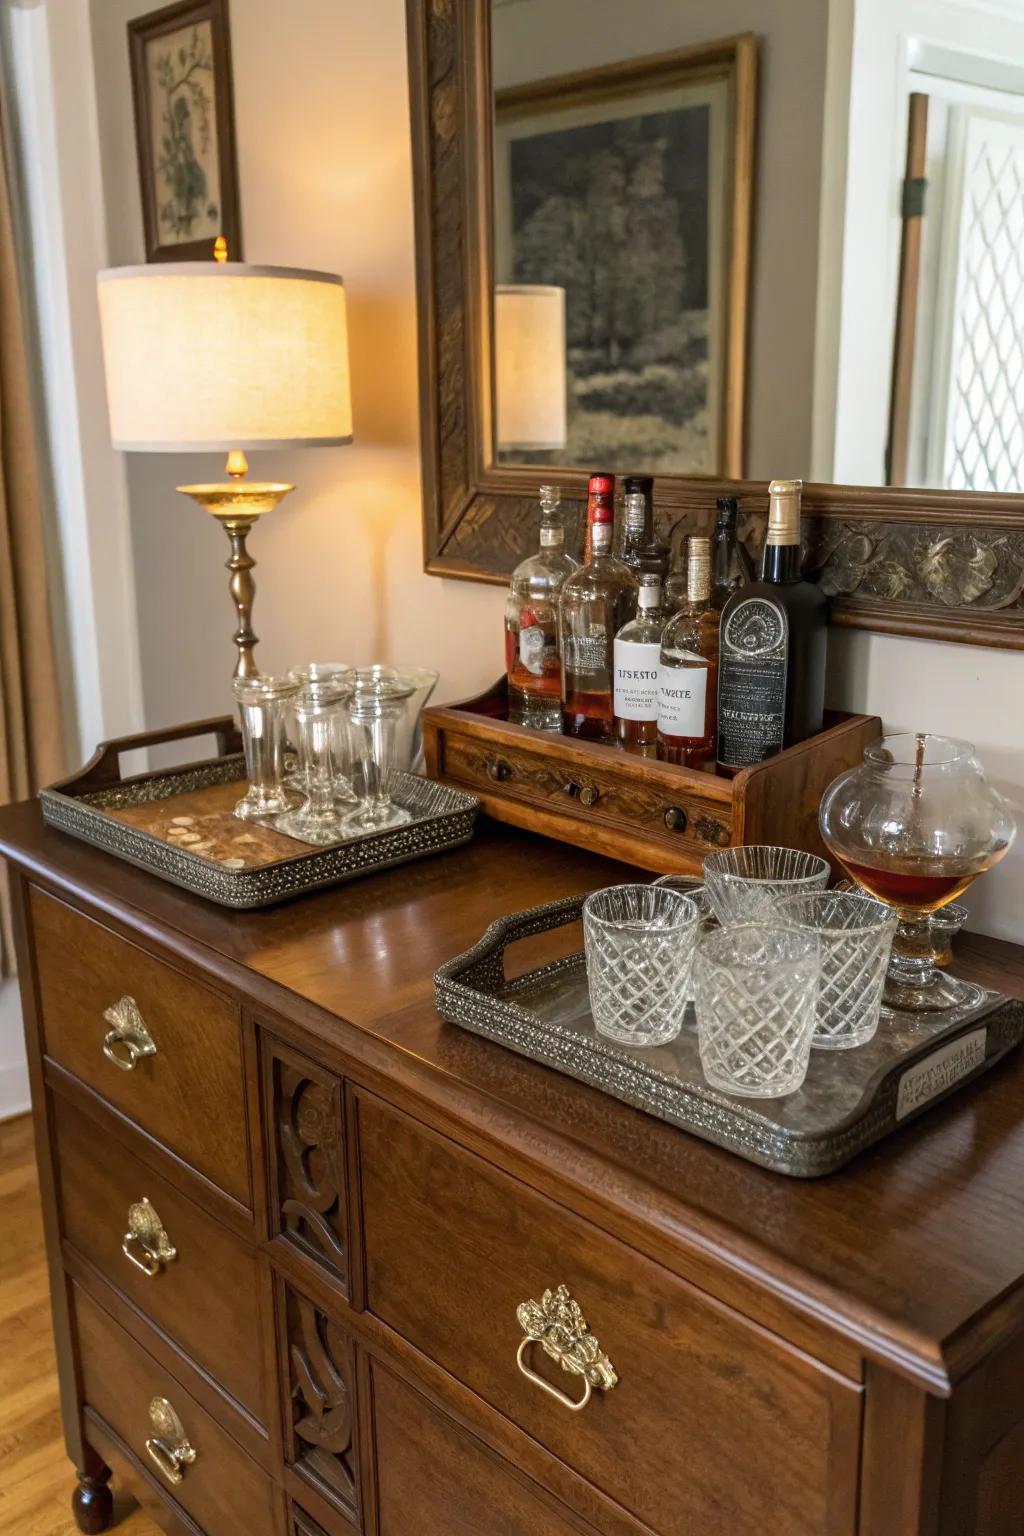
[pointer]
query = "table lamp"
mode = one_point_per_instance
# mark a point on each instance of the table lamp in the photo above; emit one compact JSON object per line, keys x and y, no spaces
{"x":529,"y":366}
{"x":226,"y":356}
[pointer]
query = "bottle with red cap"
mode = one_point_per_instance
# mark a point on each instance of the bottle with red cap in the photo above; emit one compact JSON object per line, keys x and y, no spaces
{"x":596,"y":601}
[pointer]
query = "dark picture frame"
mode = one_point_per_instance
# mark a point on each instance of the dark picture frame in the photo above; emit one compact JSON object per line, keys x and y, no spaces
{"x":172,"y":51}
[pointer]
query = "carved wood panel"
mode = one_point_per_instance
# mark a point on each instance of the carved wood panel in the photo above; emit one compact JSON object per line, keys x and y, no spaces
{"x":322,"y":1388}
{"x":307,"y":1117}
{"x":945,"y":565}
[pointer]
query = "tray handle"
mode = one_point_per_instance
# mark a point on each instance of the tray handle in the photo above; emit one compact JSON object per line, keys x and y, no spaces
{"x":104,"y":767}
{"x":483,"y":966}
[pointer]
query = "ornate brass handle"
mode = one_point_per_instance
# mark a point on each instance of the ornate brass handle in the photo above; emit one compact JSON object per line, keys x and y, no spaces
{"x":559,"y":1327}
{"x":146,"y":1232}
{"x":128,"y":1040}
{"x":168,"y":1447}
{"x":586,"y":794}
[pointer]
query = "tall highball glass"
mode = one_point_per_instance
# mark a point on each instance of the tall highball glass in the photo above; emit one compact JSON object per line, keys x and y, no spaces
{"x":261,"y":706}
{"x":316,"y":707}
{"x":375,"y":709}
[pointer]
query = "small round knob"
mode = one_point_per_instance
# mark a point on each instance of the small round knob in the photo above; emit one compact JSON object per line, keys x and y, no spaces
{"x":589,"y":794}
{"x":675,"y":818}
{"x":498,"y":769}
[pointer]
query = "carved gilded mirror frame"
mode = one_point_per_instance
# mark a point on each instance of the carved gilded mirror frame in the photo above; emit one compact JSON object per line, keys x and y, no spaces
{"x":939,"y":564}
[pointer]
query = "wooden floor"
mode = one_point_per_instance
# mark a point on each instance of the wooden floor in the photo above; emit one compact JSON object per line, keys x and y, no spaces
{"x":36,"y":1478}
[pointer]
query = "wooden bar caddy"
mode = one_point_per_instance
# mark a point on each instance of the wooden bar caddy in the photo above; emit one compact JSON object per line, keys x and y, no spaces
{"x":654,"y":814}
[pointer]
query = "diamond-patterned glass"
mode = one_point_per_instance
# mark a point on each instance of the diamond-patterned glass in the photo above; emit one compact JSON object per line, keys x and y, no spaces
{"x":985,"y":424}
{"x":743,"y":883}
{"x":639,"y":941}
{"x":855,"y":936}
{"x":756,"y":993}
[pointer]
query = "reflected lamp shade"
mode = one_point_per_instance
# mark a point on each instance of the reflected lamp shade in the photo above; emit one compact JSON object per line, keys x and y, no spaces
{"x":529,"y":367}
{"x":207,"y":355}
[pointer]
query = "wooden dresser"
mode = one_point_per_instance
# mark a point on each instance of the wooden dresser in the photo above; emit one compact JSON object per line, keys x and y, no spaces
{"x":291,"y":1215}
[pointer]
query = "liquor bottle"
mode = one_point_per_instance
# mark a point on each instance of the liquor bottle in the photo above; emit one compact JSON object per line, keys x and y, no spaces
{"x":594,"y":604}
{"x":771,"y":686}
{"x":600,"y":492}
{"x":688,"y":676}
{"x":638,"y":517}
{"x":531,"y":624}
{"x":730,"y":568}
{"x":636,"y":655}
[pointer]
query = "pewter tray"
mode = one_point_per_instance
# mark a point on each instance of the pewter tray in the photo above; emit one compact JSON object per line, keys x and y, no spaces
{"x":849,"y":1098}
{"x":131,"y":818}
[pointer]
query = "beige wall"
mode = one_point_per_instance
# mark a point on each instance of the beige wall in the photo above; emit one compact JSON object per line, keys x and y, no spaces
{"x":322,"y":113}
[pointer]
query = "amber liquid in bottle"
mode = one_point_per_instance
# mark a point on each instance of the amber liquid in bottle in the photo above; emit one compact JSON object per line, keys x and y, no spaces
{"x":595,"y":602}
{"x":636,"y":657}
{"x":688,"y":682}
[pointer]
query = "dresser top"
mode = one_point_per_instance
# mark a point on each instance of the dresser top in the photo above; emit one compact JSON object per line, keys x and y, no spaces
{"x":916,"y":1249}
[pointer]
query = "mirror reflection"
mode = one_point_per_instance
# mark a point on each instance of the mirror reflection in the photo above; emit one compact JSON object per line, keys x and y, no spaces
{"x":761,"y":237}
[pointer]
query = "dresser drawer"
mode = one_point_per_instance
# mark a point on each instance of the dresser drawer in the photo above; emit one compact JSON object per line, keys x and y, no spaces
{"x":188,"y":1090}
{"x":205,"y":1296}
{"x":712,"y":1420}
{"x":220,"y":1487}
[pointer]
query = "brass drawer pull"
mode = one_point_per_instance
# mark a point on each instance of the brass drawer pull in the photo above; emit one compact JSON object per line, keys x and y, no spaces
{"x":558,"y":1326}
{"x":128,"y":1040}
{"x":498,"y":770}
{"x":675,"y":818}
{"x":586,"y":794}
{"x":168,"y":1447}
{"x":146,"y":1233}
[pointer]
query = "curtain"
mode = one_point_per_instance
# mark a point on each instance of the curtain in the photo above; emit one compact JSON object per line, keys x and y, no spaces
{"x":31,"y":744}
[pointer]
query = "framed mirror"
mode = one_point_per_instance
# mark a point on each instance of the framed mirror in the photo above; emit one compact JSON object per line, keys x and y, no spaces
{"x":647,"y":243}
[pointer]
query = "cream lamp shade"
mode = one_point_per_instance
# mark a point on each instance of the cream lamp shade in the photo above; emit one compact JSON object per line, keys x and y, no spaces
{"x":529,"y":366}
{"x":222,"y":356}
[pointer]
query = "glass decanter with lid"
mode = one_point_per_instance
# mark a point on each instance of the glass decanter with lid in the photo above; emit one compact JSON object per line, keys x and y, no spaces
{"x":531,"y":624}
{"x":915,"y":824}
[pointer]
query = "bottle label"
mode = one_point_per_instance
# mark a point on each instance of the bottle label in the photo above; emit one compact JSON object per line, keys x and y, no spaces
{"x":753,"y":661}
{"x":682,"y":701}
{"x":551,"y":538}
{"x":584,"y":654}
{"x":636,"y":679}
{"x":533,"y":648}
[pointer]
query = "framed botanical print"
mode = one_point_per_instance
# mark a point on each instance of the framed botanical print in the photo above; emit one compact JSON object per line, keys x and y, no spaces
{"x":184,"y":125}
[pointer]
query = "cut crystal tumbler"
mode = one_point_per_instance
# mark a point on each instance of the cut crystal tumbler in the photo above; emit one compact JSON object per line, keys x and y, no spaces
{"x":742,"y":883}
{"x":640,"y":941}
{"x":855,"y":936}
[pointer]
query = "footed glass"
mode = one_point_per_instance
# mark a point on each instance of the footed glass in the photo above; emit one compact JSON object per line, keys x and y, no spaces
{"x":914,"y":825}
{"x":261,"y":706}
{"x":375,"y":710}
{"x":743,"y":883}
{"x":757,"y":989}
{"x":317,"y":673}
{"x":318,"y":820}
{"x":855,"y":935}
{"x":640,"y":942}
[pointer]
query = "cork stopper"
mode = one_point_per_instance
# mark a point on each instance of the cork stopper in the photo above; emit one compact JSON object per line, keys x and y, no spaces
{"x":784,"y":512}
{"x":698,"y":568}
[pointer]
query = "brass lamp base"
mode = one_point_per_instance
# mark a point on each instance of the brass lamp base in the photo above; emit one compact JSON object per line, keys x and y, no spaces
{"x":236,"y":505}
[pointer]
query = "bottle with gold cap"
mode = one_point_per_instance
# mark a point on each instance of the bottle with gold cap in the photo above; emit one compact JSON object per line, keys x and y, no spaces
{"x":688,"y":668}
{"x":771,"y":680}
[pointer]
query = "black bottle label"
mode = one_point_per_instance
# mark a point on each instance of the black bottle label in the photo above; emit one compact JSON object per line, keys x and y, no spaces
{"x":753,"y":661}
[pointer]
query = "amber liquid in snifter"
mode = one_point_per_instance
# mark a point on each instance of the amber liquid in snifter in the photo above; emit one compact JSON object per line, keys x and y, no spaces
{"x":915,"y":886}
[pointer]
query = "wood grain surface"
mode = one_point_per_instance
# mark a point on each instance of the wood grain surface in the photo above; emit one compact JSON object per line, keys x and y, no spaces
{"x":347,"y":974}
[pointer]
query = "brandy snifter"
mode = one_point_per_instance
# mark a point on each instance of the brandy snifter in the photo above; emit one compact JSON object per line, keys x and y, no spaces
{"x":915,"y":824}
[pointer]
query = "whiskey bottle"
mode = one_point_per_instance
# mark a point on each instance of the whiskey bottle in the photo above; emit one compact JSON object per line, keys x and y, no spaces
{"x":638,"y":518}
{"x":688,"y":674}
{"x":771,"y":686}
{"x":531,"y":624}
{"x":595,"y":602}
{"x":730,"y":567}
{"x":636,"y":655}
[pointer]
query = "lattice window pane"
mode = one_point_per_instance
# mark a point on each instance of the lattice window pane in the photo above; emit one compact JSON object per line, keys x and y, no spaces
{"x":985,"y":422}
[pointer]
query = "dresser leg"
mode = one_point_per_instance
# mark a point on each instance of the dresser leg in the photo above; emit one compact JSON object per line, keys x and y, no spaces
{"x":91,"y":1503}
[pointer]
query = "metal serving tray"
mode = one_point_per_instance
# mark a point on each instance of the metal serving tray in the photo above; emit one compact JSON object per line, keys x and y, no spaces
{"x":849,"y":1099}
{"x":133,"y":819}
